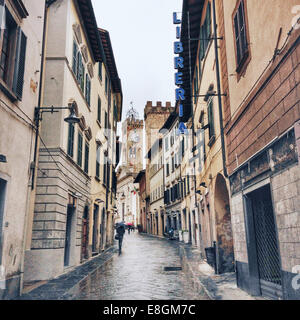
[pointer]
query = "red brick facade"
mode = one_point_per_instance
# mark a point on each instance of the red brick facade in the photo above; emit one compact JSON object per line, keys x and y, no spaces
{"x":271,"y":108}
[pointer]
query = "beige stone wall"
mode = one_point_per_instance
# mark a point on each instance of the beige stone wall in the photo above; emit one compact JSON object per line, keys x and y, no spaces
{"x":286,"y":200}
{"x":16,"y":143}
{"x":276,"y":14}
{"x":238,"y":228}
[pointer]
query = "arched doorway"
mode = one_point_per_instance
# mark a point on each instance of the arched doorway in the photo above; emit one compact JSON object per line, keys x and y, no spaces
{"x":225,"y":253}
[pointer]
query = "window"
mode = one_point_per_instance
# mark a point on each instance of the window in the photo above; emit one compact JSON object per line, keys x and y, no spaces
{"x":210,"y":113}
{"x":98,"y":160}
{"x":86,"y":158}
{"x":78,"y":67}
{"x":172,"y":138}
{"x":173,"y":164}
{"x":88,"y":89}
{"x":240,"y":35}
{"x":71,"y":139}
{"x":79,"y":151}
{"x":75,"y":58}
{"x":167,"y":143}
{"x":105,"y":173}
{"x":205,"y":32}
{"x":167,"y":168}
{"x":99,"y":110}
{"x":100,"y":70}
{"x":13,"y":44}
{"x":106,"y":120}
{"x":106,"y":84}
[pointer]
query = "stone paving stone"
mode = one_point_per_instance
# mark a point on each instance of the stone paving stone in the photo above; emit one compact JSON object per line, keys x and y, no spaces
{"x":138,"y":274}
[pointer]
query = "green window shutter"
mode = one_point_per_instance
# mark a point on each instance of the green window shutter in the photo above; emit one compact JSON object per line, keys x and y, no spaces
{"x":202,"y":36}
{"x":86,"y":158}
{"x":18,"y":80}
{"x":99,"y":110}
{"x":79,"y":151}
{"x":71,"y":140}
{"x":208,"y":19}
{"x":100,"y":70}
{"x":211,"y":119}
{"x":98,"y":161}
{"x":88,"y":89}
{"x":81,"y":76}
{"x":74,"y":65}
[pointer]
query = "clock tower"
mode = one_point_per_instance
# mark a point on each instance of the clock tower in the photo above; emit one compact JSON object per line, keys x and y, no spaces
{"x":132,"y":144}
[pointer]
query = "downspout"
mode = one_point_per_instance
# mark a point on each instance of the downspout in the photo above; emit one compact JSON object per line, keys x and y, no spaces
{"x":48,"y":3}
{"x":219,"y":91}
{"x":220,"y":115}
{"x":193,"y":142}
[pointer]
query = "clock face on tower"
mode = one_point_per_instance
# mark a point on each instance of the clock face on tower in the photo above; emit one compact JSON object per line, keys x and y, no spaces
{"x":134,"y":137}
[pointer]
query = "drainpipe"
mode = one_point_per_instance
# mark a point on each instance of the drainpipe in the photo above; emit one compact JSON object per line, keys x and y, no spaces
{"x":220,"y":114}
{"x":193,"y":143}
{"x":48,"y":3}
{"x":219,"y":91}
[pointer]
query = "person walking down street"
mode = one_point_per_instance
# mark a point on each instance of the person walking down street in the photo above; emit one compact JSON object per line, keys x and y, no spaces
{"x":120,"y":228}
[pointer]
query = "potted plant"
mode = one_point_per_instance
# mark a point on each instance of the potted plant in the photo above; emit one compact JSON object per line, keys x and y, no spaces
{"x":185,"y":236}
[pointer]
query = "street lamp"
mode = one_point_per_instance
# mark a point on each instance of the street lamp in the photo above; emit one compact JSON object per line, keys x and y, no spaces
{"x":38,"y":112}
{"x":72,"y":119}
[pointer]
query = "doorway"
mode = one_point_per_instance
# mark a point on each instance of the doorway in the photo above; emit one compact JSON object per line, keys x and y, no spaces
{"x":190,"y":227}
{"x":68,"y":237}
{"x":268,"y":266}
{"x":224,"y":237}
{"x":103,"y":230}
{"x":95,"y":229}
{"x":84,"y":245}
{"x":162,"y":223}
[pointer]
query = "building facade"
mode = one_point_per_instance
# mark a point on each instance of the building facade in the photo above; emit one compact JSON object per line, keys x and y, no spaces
{"x":73,"y":212}
{"x":262,"y":133}
{"x":21,"y":46}
{"x":156,"y":217}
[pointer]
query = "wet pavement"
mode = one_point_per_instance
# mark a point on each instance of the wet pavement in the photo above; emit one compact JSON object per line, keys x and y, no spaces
{"x":138,"y":274}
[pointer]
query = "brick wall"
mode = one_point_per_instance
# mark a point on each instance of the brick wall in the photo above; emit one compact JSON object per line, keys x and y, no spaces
{"x":270,"y":110}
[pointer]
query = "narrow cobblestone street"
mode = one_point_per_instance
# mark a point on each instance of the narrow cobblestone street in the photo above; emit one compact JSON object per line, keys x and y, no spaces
{"x":138,"y":274}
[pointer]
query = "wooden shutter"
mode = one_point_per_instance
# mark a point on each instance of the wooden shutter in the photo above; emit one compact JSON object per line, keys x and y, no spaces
{"x":71,"y":140}
{"x":240,"y":33}
{"x":18,"y":81}
{"x":88,"y":89}
{"x":74,"y":66}
{"x":86,"y":158}
{"x":211,"y":118}
{"x":99,"y":110}
{"x":79,"y":151}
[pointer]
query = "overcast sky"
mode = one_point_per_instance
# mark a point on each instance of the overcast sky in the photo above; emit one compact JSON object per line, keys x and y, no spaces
{"x":142,"y":35}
